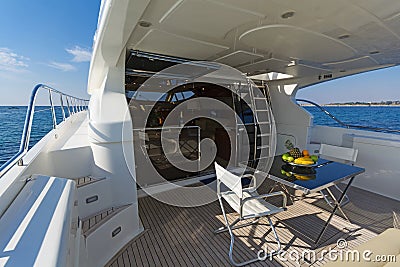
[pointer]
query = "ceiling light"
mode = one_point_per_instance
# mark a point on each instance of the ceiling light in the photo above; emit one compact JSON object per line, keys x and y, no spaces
{"x":145,"y":24}
{"x":287,"y":15}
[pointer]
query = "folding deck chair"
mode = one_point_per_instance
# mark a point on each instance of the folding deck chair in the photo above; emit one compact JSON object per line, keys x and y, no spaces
{"x":247,"y":203}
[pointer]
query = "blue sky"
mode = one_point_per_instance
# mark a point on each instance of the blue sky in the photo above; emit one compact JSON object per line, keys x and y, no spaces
{"x":373,"y":86}
{"x":45,"y":42}
{"x":49,"y":41}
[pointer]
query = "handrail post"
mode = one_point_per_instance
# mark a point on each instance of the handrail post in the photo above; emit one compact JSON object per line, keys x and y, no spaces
{"x":52,"y":109}
{"x":69,"y":108}
{"x":72,"y":105}
{"x":62,"y":106}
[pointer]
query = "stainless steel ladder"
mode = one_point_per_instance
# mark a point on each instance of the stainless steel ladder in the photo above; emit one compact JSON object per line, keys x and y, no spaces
{"x":262,"y":121}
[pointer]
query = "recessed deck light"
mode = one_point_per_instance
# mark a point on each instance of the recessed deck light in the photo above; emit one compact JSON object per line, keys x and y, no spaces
{"x":287,"y":15}
{"x":344,"y":36}
{"x":145,"y":24}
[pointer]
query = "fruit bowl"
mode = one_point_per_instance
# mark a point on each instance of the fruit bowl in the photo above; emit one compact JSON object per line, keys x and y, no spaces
{"x":301,"y":165}
{"x":298,"y":173}
{"x":296,"y":157}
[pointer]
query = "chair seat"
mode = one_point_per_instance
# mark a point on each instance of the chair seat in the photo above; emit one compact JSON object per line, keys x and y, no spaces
{"x":252,"y":208}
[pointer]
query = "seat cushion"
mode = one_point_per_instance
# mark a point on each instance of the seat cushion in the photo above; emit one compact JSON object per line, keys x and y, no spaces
{"x":387,"y":243}
{"x":252,"y":208}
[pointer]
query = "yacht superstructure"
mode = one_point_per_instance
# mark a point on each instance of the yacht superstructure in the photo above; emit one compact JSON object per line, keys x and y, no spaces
{"x":176,"y":85}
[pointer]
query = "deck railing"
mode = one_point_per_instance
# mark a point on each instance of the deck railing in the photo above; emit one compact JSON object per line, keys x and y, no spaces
{"x":349,"y":126}
{"x":69,"y":104}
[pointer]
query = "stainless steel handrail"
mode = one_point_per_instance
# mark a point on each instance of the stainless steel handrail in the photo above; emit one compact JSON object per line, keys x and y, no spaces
{"x":345,"y":124}
{"x":26,"y":134}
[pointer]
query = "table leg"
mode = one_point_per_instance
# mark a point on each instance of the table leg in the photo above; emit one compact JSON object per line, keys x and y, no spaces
{"x":335,"y":208}
{"x":335,"y":201}
{"x":284,"y":188}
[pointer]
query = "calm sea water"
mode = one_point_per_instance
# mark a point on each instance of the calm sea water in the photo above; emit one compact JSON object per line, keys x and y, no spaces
{"x":12,"y":122}
{"x":378,"y":117}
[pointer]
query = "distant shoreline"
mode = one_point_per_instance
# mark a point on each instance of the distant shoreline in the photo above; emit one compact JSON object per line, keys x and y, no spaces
{"x":353,"y":105}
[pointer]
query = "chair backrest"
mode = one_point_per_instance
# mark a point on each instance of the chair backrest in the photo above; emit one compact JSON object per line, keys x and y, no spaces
{"x":337,"y":152}
{"x":233,"y":182}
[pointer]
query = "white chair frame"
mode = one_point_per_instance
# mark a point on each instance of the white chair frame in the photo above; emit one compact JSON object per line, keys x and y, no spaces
{"x":346,"y":154}
{"x":256,"y":207}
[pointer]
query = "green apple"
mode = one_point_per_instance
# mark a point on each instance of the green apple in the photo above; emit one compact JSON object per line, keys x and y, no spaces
{"x":314,"y":158}
{"x":290,"y":159}
{"x":285,"y":156}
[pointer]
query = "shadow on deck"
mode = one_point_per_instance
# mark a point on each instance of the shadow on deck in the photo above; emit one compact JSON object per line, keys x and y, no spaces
{"x":177,"y":236}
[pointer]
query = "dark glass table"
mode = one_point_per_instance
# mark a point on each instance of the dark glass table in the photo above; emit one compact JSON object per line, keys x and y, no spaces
{"x":314,"y":179}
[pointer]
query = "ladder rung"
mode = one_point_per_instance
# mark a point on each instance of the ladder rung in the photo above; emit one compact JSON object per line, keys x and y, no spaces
{"x":257,"y":110}
{"x":263,"y":158}
{"x":261,"y":135}
{"x":263,"y":122}
{"x":257,"y":97}
{"x":262,"y":147}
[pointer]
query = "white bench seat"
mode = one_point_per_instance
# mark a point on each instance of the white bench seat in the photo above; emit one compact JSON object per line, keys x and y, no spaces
{"x":385,"y":244}
{"x":35,"y":229}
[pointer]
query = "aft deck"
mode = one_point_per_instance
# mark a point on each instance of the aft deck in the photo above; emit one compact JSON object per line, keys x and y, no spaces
{"x":175,"y":236}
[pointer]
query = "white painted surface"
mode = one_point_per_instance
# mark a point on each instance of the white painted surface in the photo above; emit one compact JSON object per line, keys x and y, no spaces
{"x":35,"y":229}
{"x":311,"y":42}
{"x":59,"y":231}
{"x":28,"y":217}
{"x":292,"y":121}
{"x":101,"y":246}
{"x":38,"y":160}
{"x":378,"y":153}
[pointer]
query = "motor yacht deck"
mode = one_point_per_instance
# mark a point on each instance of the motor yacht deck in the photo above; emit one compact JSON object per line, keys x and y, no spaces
{"x":126,"y":179}
{"x":176,"y":236}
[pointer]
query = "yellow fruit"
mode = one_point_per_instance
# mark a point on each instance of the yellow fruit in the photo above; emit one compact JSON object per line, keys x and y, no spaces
{"x":303,"y":161}
{"x":302,"y":177}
